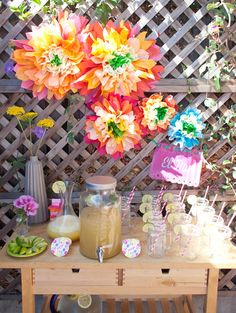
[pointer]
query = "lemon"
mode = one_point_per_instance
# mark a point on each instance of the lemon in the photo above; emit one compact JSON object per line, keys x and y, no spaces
{"x":59,"y":187}
{"x":171,"y":207}
{"x":177,"y":229}
{"x":147,"y":216}
{"x":148,"y":227}
{"x":84,"y":301}
{"x":147,"y":199}
{"x":73,"y":297}
{"x":145,"y":207}
{"x":168,"y":197}
{"x":191,"y":199}
{"x":171,"y":217}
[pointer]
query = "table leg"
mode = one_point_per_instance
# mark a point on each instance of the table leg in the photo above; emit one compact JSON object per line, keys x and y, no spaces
{"x":28,"y":300}
{"x":212,"y":289}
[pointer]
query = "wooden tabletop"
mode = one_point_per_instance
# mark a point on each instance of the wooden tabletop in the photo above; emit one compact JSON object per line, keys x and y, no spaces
{"x":75,"y":260}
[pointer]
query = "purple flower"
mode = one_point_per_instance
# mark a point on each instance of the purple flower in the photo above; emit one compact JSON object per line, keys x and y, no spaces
{"x":9,"y":67}
{"x":28,"y":204}
{"x":39,"y":132}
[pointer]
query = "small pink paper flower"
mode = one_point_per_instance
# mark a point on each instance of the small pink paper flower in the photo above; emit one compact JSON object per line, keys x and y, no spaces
{"x":28,"y":204}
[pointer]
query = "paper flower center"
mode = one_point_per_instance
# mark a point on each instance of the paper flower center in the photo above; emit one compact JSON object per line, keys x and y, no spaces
{"x":189,"y":128}
{"x":56,"y":60}
{"x":114,"y":129}
{"x":120,"y":60}
{"x":160,"y":113}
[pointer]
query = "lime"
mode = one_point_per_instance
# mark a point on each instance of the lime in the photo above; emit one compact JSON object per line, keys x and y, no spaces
{"x":147,"y":199}
{"x":145,"y":207}
{"x":84,"y":301}
{"x":148,"y":227}
{"x":168,"y":197}
{"x":191,"y":199}
{"x":59,"y":187}
{"x":171,"y":207}
{"x":147,"y":216}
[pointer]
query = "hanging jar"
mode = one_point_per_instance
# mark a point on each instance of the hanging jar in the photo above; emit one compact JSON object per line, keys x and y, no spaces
{"x":67,"y":224}
{"x":100,"y":218}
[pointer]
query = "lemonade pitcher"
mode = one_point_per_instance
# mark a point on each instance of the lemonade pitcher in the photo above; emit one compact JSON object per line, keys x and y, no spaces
{"x":67,"y":224}
{"x":100,"y":218}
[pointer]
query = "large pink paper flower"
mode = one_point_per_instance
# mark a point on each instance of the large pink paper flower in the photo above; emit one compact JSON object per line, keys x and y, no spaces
{"x":113,"y":128}
{"x":119,"y":61}
{"x":48,"y":61}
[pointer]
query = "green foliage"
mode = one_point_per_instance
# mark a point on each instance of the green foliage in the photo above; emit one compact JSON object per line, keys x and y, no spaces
{"x":103,"y":10}
{"x":219,"y":35}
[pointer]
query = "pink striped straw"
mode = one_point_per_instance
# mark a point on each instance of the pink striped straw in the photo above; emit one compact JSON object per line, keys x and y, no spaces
{"x":184,"y":196}
{"x":214,"y":200}
{"x":206,"y":192}
{"x":232,"y":218}
{"x":158,"y":200}
{"x":221,"y":211}
{"x":181,"y":190}
{"x":131,"y":195}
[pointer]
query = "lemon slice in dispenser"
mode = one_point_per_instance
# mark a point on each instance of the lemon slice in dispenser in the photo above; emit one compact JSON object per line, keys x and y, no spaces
{"x":59,"y":187}
{"x":84,"y":301}
{"x":148,"y":227}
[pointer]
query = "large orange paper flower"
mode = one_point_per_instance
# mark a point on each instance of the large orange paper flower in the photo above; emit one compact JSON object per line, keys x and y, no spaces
{"x":48,"y":61}
{"x":154,"y":113}
{"x":119,"y":61}
{"x":113,"y":127}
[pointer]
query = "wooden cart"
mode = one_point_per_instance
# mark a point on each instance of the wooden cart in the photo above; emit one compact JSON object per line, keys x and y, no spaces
{"x":119,"y":276}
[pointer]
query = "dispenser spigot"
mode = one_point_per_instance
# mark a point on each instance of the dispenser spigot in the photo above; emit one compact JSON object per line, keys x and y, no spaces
{"x":100,"y":254}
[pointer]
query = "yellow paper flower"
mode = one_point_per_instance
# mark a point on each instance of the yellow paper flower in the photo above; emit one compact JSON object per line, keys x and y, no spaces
{"x":29,"y":116}
{"x":48,"y":61}
{"x":15,"y":110}
{"x":46,"y":123}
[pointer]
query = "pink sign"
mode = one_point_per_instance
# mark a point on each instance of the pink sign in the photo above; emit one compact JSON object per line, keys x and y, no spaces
{"x":171,"y":164}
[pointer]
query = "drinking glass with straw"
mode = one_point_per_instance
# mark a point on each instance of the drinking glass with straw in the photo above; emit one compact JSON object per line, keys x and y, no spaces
{"x":125,"y":211}
{"x":189,"y":241}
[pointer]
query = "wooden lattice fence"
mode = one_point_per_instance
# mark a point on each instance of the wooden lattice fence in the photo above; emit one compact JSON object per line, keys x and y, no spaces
{"x":179,"y":28}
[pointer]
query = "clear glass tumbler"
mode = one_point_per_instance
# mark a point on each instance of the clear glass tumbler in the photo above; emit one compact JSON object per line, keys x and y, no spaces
{"x":205,"y":215}
{"x":200,"y":203}
{"x":189,"y":241}
{"x":156,"y":242}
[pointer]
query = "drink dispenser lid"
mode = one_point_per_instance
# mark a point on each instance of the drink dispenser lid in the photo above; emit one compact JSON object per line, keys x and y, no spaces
{"x":100,"y":182}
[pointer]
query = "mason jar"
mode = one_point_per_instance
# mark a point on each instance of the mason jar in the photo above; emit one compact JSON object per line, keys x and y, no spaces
{"x":100,"y":218}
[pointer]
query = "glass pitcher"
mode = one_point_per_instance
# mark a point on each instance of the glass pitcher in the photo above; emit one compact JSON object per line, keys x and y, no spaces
{"x":67,"y":224}
{"x":100,"y":218}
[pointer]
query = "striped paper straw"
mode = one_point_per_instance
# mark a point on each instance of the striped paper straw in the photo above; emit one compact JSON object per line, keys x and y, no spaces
{"x":131,"y":195}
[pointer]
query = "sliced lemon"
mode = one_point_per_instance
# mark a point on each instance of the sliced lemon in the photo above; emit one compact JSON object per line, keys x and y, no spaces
{"x":59,"y":187}
{"x":145,"y":207}
{"x":148,"y":227}
{"x":191,"y":199}
{"x":171,"y":207}
{"x":73,"y":297}
{"x":171,"y":218}
{"x":177,"y":229}
{"x":147,"y":216}
{"x":147,"y":198}
{"x":84,"y":301}
{"x":168,"y":197}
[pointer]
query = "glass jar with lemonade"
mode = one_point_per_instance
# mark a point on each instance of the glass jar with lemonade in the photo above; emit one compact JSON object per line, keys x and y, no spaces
{"x":100,"y":218}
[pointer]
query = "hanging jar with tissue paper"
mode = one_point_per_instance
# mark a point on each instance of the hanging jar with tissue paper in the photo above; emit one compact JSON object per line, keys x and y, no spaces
{"x":100,"y":218}
{"x":67,"y":224}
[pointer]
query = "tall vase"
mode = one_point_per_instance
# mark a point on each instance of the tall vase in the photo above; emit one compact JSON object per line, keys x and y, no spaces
{"x":35,"y":187}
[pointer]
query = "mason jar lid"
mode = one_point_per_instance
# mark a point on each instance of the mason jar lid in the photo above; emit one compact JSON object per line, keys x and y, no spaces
{"x":100,"y":182}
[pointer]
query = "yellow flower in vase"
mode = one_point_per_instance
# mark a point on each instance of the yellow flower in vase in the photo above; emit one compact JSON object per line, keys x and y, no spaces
{"x":15,"y":110}
{"x":46,"y":123}
{"x":28,"y":117}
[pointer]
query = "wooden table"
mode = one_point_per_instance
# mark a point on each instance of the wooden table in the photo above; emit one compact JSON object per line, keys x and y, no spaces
{"x":75,"y":274}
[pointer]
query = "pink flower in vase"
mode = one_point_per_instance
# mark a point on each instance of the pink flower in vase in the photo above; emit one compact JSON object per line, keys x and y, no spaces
{"x":28,"y":204}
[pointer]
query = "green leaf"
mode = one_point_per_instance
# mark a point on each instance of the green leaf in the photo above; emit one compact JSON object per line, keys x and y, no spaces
{"x":212,"y":6}
{"x":234,"y":174}
{"x":71,"y":137}
{"x":217,"y":83}
{"x":225,"y":162}
{"x":210,"y":102}
{"x":226,"y":187}
{"x":36,"y":1}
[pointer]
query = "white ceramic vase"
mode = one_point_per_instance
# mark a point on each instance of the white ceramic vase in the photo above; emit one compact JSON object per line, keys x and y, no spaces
{"x":35,"y":187}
